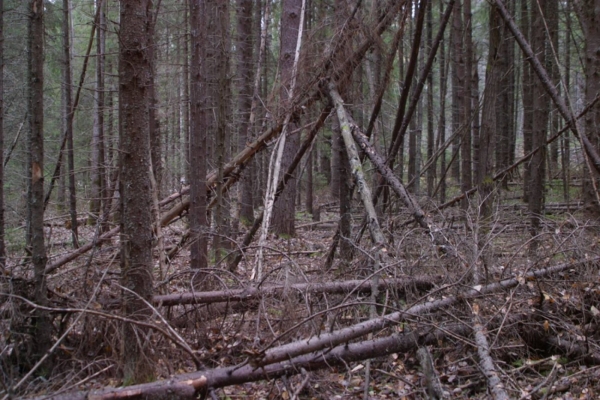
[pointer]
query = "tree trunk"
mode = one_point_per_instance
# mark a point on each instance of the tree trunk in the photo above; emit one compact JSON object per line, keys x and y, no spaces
{"x":2,"y":242}
{"x":42,"y":325}
{"x":487,"y":136}
{"x":540,"y":105}
{"x":244,"y":75}
{"x":98,"y":180}
{"x":590,"y":18}
{"x":135,"y":77}
{"x":458,"y":84}
{"x":284,"y":211}
{"x":68,"y":84}
{"x":527,"y":86}
{"x":466,"y":179}
{"x":198,"y":128}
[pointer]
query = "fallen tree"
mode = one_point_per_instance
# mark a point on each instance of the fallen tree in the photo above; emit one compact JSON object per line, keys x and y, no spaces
{"x":252,"y":293}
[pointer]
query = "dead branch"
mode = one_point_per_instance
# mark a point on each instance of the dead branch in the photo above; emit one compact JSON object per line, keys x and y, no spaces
{"x":344,"y":335}
{"x":412,"y":205}
{"x":356,"y":167}
{"x":188,"y":386}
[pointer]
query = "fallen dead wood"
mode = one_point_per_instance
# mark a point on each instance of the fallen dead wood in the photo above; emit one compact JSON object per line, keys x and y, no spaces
{"x":344,"y":335}
{"x":250,"y":293}
{"x":388,"y":175}
{"x":189,"y":386}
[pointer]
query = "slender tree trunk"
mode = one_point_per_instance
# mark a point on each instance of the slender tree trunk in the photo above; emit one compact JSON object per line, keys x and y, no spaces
{"x":589,"y":11}
{"x":244,"y":75}
{"x":68,"y":83}
{"x":2,"y":242}
{"x":219,"y":70}
{"x":537,"y":170}
{"x":442,"y":123}
{"x":135,"y":78}
{"x":466,"y":180}
{"x":485,"y":181}
{"x":42,"y":325}
{"x":565,"y":142}
{"x":186,"y":93}
{"x":98,"y":189}
{"x":155,"y":131}
{"x":458,"y":83}
{"x":431,"y":172}
{"x":198,"y":128}
{"x":505,"y":104}
{"x":527,"y":87}
{"x":284,"y":209}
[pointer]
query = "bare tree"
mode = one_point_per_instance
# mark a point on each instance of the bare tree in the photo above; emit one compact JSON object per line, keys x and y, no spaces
{"x":135,"y":188}
{"x":197,"y":150}
{"x":42,"y":325}
{"x":284,"y":214}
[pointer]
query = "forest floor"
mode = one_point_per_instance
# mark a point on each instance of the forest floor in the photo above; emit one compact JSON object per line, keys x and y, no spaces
{"x":544,"y":333}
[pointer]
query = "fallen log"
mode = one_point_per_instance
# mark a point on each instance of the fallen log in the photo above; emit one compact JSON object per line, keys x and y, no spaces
{"x":190,"y":385}
{"x":250,"y":293}
{"x":344,"y":335}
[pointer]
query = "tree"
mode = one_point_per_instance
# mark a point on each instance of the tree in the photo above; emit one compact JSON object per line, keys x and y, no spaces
{"x":284,"y":209}
{"x":98,"y":188}
{"x":589,"y":13}
{"x":135,"y":186}
{"x":198,"y":128}
{"x":2,"y":242}
{"x":68,"y":112}
{"x":244,"y":75}
{"x":42,"y":325}
{"x":537,"y":170}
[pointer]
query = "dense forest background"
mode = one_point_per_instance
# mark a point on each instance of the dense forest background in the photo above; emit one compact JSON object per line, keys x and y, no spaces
{"x":376,"y":199}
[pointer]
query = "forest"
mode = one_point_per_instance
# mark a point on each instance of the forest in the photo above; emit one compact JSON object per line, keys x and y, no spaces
{"x":299,"y":199}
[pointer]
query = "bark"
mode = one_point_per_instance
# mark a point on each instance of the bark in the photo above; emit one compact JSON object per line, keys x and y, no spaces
{"x":356,"y":168}
{"x":537,"y":166}
{"x":198,"y":127}
{"x":135,"y":76}
{"x":98,"y":181}
{"x":589,"y":12}
{"x":466,"y":179}
{"x":67,"y":82}
{"x":244,"y":77}
{"x":488,"y":132}
{"x":192,"y":385}
{"x":458,"y":86}
{"x":284,"y":214}
{"x":42,"y":326}
{"x":408,"y":200}
{"x":2,"y":242}
{"x":430,"y":93}
{"x":252,"y":293}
